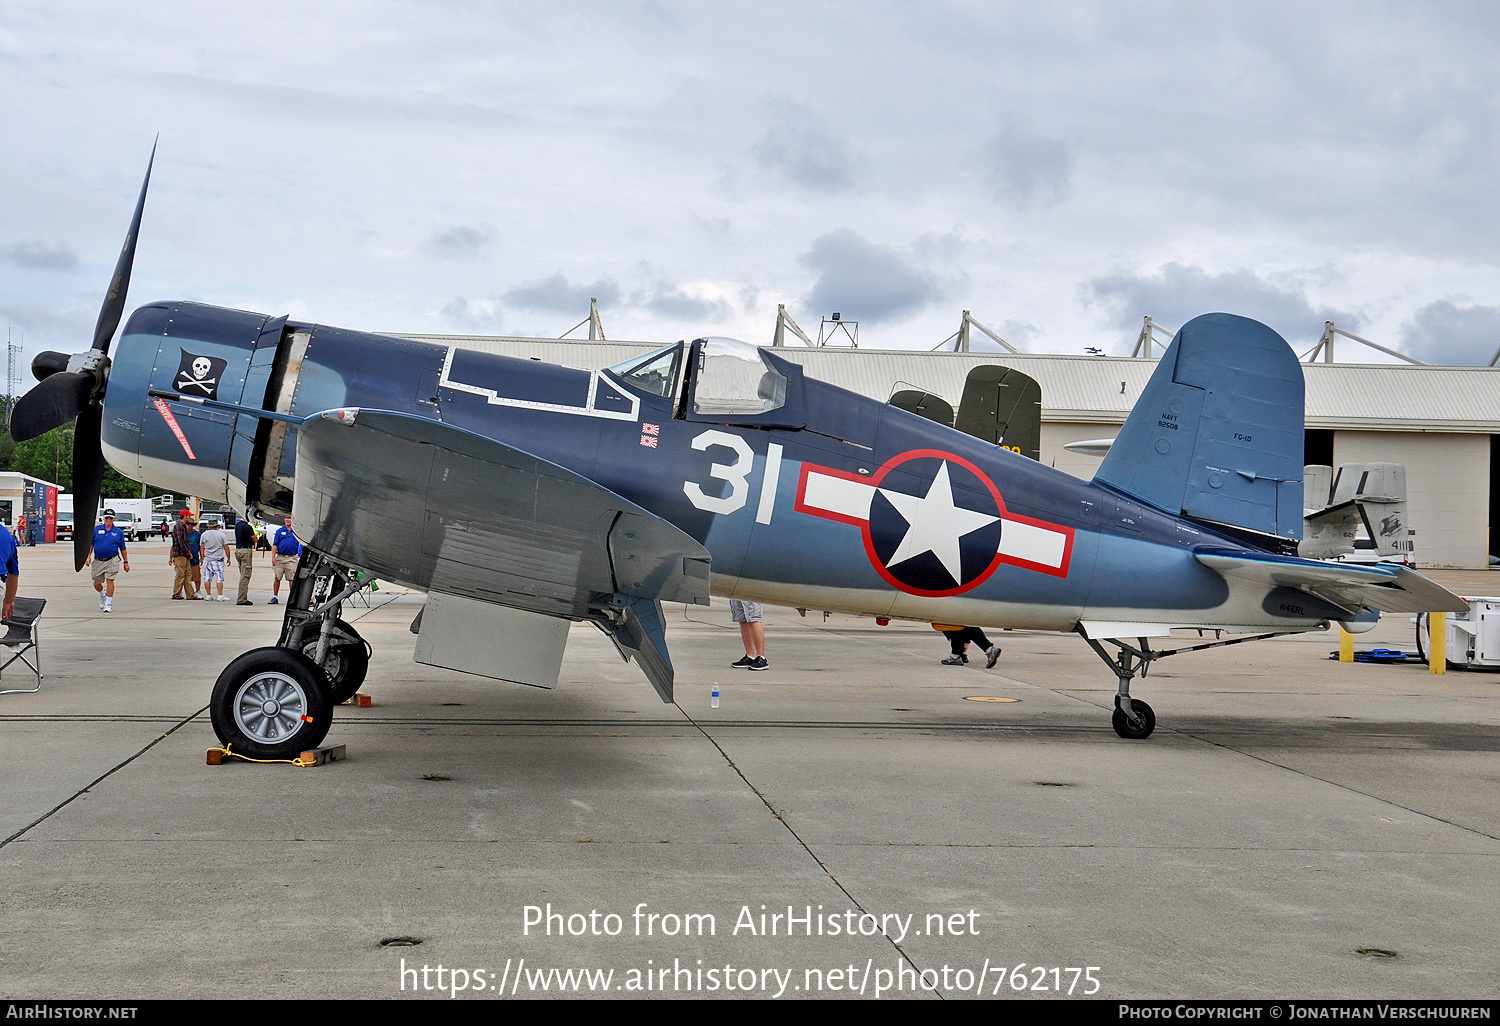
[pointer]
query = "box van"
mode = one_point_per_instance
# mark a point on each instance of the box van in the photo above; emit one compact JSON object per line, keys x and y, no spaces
{"x":125,"y":521}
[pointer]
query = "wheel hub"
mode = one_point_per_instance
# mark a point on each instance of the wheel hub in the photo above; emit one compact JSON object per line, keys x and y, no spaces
{"x":270,"y":707}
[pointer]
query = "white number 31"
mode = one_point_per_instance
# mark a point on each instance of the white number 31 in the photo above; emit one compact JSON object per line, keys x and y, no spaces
{"x":735,"y":473}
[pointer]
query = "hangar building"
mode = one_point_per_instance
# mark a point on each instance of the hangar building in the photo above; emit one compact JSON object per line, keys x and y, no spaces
{"x":1443,"y":423}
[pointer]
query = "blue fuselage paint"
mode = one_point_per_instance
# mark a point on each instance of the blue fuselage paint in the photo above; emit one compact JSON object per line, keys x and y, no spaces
{"x":1125,"y":561}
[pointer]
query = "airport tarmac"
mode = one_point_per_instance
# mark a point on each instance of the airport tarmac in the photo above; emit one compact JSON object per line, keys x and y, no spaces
{"x":1288,"y":811}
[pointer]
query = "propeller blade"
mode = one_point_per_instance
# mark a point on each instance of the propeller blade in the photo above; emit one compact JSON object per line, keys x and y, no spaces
{"x":88,"y":478}
{"x":51,"y":403}
{"x":114,"y":299}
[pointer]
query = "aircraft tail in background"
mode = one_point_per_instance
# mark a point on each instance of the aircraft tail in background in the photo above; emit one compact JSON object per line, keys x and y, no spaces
{"x":1218,"y":432}
{"x":1369,"y":495}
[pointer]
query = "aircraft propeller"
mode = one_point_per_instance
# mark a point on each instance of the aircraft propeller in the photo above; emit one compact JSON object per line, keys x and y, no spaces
{"x":72,"y":385}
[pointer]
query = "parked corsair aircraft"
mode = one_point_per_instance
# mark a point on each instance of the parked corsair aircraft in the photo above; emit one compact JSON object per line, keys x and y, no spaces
{"x":522,"y":496}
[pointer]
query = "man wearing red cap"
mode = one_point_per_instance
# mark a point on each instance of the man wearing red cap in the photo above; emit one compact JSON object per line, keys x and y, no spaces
{"x":178,"y":558}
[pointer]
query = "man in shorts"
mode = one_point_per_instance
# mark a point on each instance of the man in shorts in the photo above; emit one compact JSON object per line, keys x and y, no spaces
{"x":107,"y":556}
{"x":284,"y":552}
{"x":215,"y":544}
{"x":748,"y":616}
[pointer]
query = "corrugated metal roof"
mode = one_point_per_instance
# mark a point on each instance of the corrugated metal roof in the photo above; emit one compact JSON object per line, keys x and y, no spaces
{"x":1095,"y":389}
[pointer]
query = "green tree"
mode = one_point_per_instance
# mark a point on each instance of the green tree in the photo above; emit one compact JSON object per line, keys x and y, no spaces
{"x":50,"y":457}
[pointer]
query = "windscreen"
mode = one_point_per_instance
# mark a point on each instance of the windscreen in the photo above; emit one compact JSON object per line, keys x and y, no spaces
{"x":656,"y":372}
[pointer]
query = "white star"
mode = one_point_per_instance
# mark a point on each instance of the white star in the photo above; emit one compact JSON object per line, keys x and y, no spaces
{"x":934,"y":524}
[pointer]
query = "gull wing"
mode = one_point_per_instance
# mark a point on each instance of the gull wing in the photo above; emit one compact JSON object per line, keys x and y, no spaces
{"x":446,"y":510}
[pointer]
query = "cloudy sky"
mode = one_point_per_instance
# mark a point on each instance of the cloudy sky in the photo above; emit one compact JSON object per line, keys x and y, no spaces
{"x":1060,"y":170}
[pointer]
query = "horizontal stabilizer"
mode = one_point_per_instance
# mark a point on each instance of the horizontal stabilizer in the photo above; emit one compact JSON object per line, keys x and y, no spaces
{"x":1390,"y":589}
{"x":1218,"y":431}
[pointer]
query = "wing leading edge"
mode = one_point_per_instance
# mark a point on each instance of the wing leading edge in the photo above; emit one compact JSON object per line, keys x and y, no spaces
{"x":445,"y":510}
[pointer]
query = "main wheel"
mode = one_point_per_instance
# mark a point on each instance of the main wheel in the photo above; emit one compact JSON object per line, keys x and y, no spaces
{"x":271,"y":703}
{"x":1123,"y":726}
{"x":345,"y":663}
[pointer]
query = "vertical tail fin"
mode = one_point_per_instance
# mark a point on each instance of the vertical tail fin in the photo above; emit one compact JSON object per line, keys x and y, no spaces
{"x":1379,"y":491}
{"x":1218,"y":434}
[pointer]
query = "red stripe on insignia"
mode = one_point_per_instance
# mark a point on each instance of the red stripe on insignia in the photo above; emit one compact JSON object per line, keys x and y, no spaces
{"x":836,"y":495}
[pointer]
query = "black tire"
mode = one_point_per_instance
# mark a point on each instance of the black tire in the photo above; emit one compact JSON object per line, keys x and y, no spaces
{"x":1422,"y":630}
{"x":345,"y":665}
{"x":1125,"y":729}
{"x":271,"y":703}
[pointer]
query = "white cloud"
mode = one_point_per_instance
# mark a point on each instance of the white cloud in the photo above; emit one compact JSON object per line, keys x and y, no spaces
{"x":803,"y":149}
{"x":1177,"y":293}
{"x":464,"y":242}
{"x":34,"y":254}
{"x":1025,"y":168}
{"x":555,"y":294}
{"x":1445,"y":333}
{"x":677,"y":303}
{"x":864,"y":280}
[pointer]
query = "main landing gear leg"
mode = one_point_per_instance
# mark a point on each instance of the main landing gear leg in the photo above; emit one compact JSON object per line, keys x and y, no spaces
{"x":1132,"y":718}
{"x":276,"y":702}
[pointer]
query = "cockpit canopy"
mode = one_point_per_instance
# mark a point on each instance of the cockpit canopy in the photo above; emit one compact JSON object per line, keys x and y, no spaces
{"x":725,"y":379}
{"x":733,"y":379}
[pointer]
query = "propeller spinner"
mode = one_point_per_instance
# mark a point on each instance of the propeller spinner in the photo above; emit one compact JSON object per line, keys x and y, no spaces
{"x":72,"y":386}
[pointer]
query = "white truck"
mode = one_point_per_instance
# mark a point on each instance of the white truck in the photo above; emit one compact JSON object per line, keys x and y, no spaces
{"x":133,"y":516}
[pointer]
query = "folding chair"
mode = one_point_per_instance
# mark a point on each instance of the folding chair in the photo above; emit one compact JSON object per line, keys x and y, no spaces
{"x":23,"y":637}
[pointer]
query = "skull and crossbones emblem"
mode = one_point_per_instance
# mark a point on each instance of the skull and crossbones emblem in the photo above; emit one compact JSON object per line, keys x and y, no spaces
{"x":198,"y":375}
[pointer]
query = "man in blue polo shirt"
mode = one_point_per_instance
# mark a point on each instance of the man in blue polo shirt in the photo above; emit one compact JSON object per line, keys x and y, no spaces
{"x":107,"y":555}
{"x":285,"y":548}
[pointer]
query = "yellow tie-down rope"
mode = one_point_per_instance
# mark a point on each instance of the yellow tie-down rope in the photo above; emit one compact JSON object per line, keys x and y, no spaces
{"x":236,"y":755}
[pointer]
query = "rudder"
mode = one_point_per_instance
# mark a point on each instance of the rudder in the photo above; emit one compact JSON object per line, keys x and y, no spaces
{"x":1218,"y":433}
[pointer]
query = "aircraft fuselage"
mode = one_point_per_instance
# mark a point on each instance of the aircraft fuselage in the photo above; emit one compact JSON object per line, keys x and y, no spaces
{"x":862,"y":507}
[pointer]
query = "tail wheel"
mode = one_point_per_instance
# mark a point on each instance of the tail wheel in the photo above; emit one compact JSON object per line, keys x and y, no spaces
{"x":271,"y":703}
{"x":345,"y":663}
{"x":1125,"y":728}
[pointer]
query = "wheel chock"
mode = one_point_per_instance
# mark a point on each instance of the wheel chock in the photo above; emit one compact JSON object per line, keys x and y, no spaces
{"x":311,"y":757}
{"x":318,"y":756}
{"x":360,"y":701}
